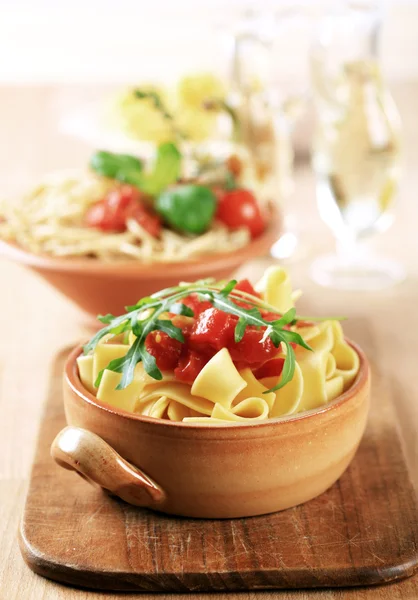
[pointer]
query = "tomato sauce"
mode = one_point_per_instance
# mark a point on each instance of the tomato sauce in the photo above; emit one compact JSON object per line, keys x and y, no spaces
{"x":208,"y":332}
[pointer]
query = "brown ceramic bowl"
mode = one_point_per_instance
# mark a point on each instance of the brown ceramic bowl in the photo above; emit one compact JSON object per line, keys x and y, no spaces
{"x":99,"y":287}
{"x":221,"y":471}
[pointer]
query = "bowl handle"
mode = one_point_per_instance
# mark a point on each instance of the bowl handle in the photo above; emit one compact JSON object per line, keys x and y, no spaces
{"x":96,"y":461}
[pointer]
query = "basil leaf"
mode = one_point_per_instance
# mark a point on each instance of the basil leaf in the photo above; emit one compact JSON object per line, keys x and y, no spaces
{"x":115,"y":166}
{"x":188,"y":208}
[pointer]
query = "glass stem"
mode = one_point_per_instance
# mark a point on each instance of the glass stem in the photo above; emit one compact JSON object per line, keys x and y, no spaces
{"x":350,"y":251}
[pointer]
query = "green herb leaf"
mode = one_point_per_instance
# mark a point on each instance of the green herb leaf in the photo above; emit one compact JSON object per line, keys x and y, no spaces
{"x":144,"y":317}
{"x":286,"y":319}
{"x":288,"y":369}
{"x":187,"y":208}
{"x":165,"y":172}
{"x":156,"y":100}
{"x":171,"y":330}
{"x":106,"y":318}
{"x":178,"y":308}
{"x":128,"y":169}
{"x":225,"y":291}
{"x":296,"y":338}
{"x":150,"y":364}
{"x":230,"y":183}
{"x":115,"y":166}
{"x":240,"y":328}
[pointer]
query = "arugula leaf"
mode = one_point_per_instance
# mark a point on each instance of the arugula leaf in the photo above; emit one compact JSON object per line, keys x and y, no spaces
{"x":286,"y":319}
{"x":106,"y":318}
{"x":225,"y":291}
{"x":144,"y":317}
{"x":293,"y":336}
{"x":149,"y":362}
{"x":171,"y":330}
{"x":288,"y":369}
{"x":178,"y":308}
{"x":240,"y":328}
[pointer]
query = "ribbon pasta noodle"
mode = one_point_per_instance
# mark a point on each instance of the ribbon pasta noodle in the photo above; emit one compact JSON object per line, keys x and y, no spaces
{"x":224,"y":391}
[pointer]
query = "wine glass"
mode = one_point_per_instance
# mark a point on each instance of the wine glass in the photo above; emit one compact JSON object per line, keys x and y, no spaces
{"x":270,"y":98}
{"x":356,"y":150}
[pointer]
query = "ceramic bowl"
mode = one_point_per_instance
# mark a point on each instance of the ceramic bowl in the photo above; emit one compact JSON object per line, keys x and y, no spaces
{"x":99,"y":287}
{"x":222,"y":471}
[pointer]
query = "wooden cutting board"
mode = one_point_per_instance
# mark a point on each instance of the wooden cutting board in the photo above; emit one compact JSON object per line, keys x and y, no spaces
{"x":362,"y":531}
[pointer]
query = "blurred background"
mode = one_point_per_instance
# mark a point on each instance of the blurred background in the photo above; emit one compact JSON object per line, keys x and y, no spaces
{"x":61,"y":70}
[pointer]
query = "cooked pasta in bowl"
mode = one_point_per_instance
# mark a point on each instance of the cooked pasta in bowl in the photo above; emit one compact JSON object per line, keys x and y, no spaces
{"x":126,"y":228}
{"x":218,"y":399}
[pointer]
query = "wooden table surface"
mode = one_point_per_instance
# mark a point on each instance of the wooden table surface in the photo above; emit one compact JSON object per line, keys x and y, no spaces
{"x":36,"y":322}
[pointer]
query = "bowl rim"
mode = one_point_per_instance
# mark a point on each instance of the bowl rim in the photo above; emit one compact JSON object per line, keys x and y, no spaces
{"x":74,"y":383}
{"x":254,"y":248}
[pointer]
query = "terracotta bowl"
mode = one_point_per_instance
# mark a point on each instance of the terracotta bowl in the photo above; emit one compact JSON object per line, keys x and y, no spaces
{"x":99,"y":287}
{"x":222,"y":471}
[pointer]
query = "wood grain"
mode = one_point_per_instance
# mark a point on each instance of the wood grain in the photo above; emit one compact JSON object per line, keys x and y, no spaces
{"x":363,"y":531}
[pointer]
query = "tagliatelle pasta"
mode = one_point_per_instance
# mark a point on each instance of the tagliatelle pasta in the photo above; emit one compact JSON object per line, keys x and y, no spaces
{"x":230,"y":383}
{"x":219,"y":381}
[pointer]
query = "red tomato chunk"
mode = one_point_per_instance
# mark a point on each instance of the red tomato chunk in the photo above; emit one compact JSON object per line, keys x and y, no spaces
{"x":272,"y":368}
{"x":165,"y":350}
{"x":189,"y":366}
{"x":208,"y":332}
{"x":121,"y":204}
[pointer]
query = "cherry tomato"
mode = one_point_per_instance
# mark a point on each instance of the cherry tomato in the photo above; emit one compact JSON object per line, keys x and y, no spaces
{"x":189,"y":366}
{"x":239,"y":208}
{"x":165,"y":350}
